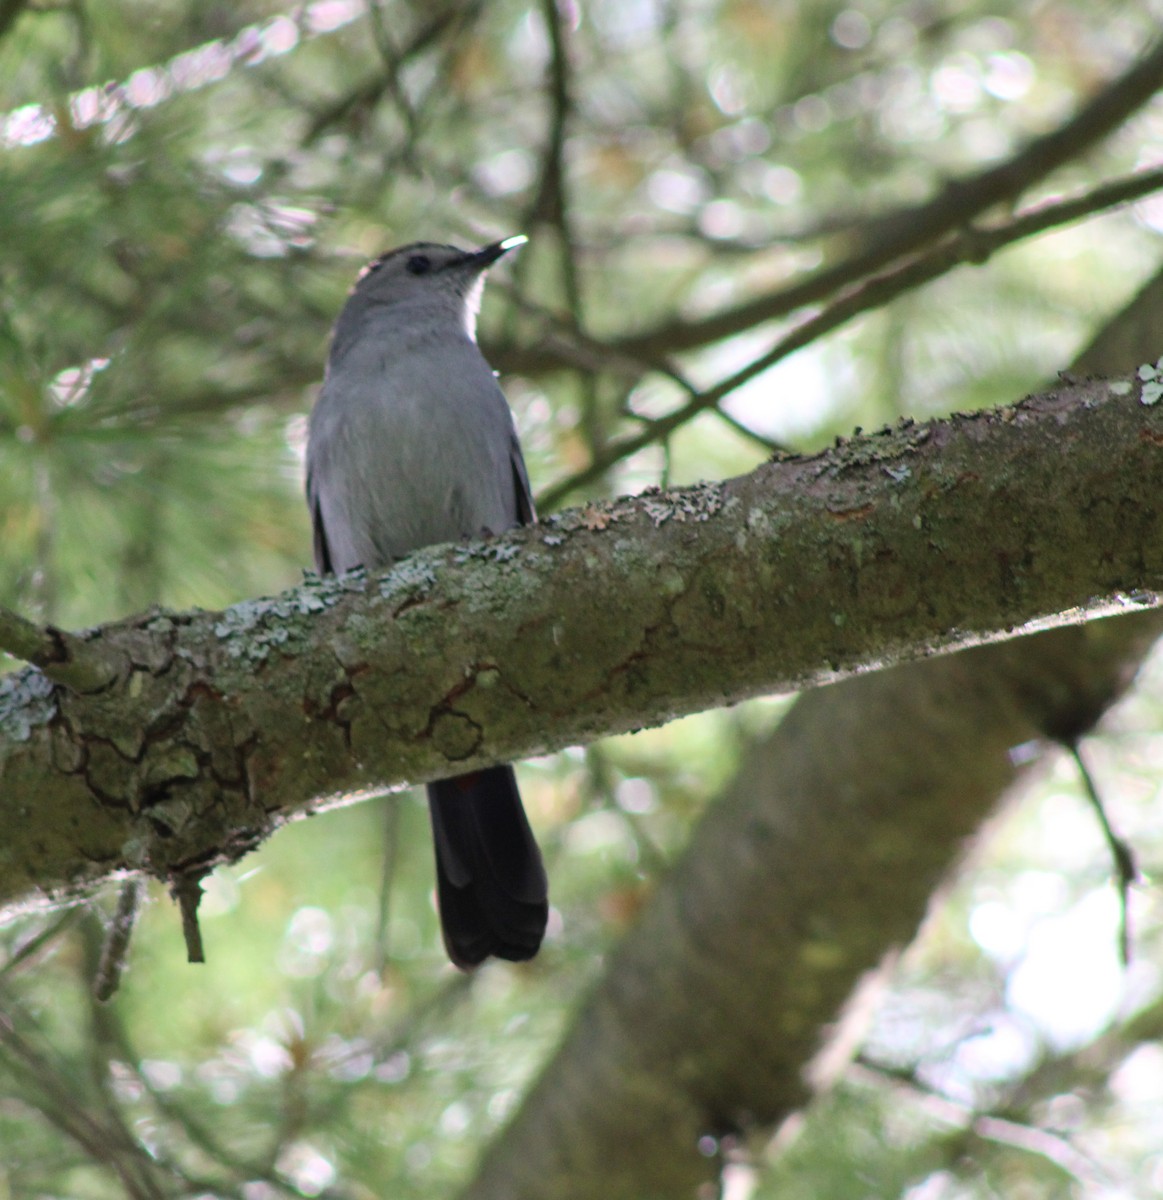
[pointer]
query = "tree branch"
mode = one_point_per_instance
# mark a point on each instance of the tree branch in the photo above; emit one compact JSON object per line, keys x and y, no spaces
{"x":820,"y":857}
{"x":908,"y":230}
{"x":803,"y":572}
{"x":63,"y":657}
{"x":901,"y":233}
{"x":368,"y":93}
{"x":967,"y":246}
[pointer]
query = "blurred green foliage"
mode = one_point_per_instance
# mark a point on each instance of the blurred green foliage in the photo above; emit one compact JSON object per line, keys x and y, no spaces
{"x":186,"y":192}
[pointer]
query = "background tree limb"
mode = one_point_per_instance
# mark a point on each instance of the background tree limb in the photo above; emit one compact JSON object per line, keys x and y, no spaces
{"x":902,"y":233}
{"x":820,"y":857}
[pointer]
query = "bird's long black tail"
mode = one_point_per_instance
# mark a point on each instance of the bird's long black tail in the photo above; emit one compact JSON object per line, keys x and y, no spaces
{"x":490,"y":880}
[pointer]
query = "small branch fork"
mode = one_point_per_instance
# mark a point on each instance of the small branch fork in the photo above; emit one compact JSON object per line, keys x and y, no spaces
{"x":63,"y":657}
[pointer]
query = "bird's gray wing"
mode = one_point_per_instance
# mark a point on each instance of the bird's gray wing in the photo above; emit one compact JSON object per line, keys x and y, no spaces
{"x":526,"y":513}
{"x":323,"y":562}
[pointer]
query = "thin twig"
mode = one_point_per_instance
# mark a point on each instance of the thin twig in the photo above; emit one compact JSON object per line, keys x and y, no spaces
{"x":187,"y":891}
{"x":60,"y":1105}
{"x":34,"y":944}
{"x":173,"y":1110}
{"x":769,"y":444}
{"x":393,"y":62}
{"x":1126,"y":871}
{"x":969,"y":246}
{"x":115,"y":949}
{"x":367,"y":94}
{"x":551,"y":202}
{"x":387,"y":877}
{"x":908,"y":230}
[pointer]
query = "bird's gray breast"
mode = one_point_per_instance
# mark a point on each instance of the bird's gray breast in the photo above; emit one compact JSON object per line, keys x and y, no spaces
{"x":407,"y":449}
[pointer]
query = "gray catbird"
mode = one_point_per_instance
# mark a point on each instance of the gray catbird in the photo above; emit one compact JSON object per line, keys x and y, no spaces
{"x":411,"y":443}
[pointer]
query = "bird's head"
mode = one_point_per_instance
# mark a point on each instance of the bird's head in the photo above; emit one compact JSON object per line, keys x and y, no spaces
{"x":430,"y":280}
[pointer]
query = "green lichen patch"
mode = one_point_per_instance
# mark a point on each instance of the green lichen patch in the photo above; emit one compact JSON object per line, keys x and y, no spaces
{"x":27,"y":702}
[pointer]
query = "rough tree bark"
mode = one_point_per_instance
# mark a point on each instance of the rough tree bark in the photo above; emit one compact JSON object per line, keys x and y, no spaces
{"x":217,"y":727}
{"x":819,"y":858}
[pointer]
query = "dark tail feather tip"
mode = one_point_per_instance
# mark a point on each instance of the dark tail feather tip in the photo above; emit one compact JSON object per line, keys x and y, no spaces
{"x":491,"y":883}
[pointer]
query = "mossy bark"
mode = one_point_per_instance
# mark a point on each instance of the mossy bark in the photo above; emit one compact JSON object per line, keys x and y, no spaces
{"x":921,"y":538}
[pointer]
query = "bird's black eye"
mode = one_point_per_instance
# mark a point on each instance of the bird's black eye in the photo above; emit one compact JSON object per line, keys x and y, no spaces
{"x":419,"y":264}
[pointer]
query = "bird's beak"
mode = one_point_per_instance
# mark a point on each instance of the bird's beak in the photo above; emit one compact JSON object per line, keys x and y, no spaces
{"x":487,"y":255}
